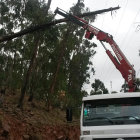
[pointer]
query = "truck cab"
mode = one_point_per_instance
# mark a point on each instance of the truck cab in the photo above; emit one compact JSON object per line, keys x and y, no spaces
{"x":111,"y":117}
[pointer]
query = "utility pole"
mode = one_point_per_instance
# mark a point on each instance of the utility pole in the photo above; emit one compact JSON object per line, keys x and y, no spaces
{"x":110,"y":86}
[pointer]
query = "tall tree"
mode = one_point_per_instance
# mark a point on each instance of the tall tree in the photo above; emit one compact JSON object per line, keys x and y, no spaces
{"x":36,"y":18}
{"x":79,"y":59}
{"x":18,"y":15}
{"x":98,"y":88}
{"x":29,"y":71}
{"x":71,"y":47}
{"x":125,"y":87}
{"x":48,"y":62}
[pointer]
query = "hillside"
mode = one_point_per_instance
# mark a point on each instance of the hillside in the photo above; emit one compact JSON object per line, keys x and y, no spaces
{"x":34,"y":122}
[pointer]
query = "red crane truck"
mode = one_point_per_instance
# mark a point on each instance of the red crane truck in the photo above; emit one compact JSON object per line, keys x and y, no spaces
{"x":109,"y":116}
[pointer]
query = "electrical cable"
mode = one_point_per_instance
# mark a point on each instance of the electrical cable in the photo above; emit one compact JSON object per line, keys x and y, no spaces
{"x":122,"y":42}
{"x":129,"y":31}
{"x":117,"y":29}
{"x":106,"y":75}
{"x":101,"y":73}
{"x":119,"y":26}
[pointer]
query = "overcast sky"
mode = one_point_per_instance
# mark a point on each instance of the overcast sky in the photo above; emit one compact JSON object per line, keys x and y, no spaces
{"x":124,"y":26}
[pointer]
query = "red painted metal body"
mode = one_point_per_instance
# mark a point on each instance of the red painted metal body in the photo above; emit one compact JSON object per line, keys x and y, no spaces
{"x":120,"y":61}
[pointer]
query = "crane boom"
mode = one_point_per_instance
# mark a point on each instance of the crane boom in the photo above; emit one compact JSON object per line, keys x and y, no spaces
{"x":120,"y":61}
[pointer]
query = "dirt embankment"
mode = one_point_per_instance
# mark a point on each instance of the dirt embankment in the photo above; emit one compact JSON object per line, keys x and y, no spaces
{"x":35,"y":123}
{"x":13,"y":129}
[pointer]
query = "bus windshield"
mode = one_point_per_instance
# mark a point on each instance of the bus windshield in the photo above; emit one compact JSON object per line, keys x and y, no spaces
{"x":120,"y":111}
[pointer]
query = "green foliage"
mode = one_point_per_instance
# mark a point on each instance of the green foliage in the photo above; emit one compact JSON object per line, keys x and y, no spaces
{"x":114,"y":92}
{"x":138,"y":84}
{"x":78,"y":60}
{"x":125,"y":87}
{"x":15,"y":56}
{"x":98,"y":88}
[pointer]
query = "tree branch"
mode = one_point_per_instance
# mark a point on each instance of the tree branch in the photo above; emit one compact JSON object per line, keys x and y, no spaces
{"x":47,"y":25}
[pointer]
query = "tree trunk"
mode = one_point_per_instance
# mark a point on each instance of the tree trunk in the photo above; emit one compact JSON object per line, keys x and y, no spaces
{"x":48,"y":5}
{"x":9,"y":74}
{"x":33,"y":83}
{"x":29,"y":71}
{"x":62,"y":50}
{"x":63,"y":46}
{"x":30,"y":99}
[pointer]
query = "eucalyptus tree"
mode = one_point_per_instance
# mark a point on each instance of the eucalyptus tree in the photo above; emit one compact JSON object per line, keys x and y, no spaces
{"x":48,"y":61}
{"x":125,"y":87}
{"x":98,"y":88}
{"x":20,"y":54}
{"x":37,"y":12}
{"x":11,"y":20}
{"x":75,"y":54}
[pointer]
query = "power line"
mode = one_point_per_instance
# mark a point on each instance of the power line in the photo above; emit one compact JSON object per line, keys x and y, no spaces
{"x":107,"y":73}
{"x":128,"y":31}
{"x":131,"y":35}
{"x":106,"y":3}
{"x":122,"y":42}
{"x":117,"y":29}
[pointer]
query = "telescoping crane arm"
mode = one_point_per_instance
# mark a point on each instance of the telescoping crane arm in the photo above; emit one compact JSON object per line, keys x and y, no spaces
{"x":120,"y":61}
